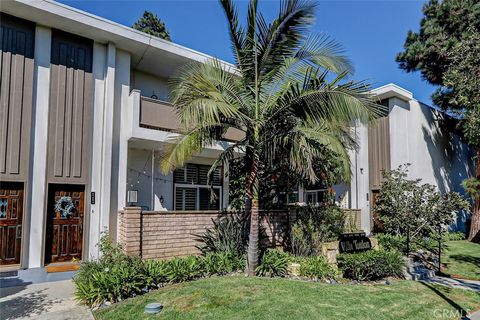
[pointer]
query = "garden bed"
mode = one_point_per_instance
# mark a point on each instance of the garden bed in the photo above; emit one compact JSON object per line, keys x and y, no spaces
{"x":239,"y":297}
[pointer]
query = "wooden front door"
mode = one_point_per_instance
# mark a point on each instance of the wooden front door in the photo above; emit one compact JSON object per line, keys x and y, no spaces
{"x":11,"y":214}
{"x":64,"y":228}
{"x":377,"y":223}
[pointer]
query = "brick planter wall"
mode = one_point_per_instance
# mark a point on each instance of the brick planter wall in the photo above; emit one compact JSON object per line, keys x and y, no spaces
{"x":168,"y":234}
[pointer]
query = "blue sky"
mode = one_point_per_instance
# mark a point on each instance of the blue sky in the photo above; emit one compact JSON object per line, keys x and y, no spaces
{"x":372,"y":32}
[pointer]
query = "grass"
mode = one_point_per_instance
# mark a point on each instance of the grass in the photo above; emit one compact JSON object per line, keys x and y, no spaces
{"x":462,"y":259}
{"x":240,"y":297}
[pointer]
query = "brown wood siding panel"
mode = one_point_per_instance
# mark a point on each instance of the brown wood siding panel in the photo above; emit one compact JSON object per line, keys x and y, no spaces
{"x":378,"y":151}
{"x":17,"y":38}
{"x":161,"y":115}
{"x":71,"y":106}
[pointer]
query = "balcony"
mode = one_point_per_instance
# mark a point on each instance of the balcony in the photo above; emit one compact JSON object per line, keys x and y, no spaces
{"x":160,"y":115}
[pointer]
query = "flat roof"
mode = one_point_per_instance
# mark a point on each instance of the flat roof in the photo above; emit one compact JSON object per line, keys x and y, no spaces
{"x":144,"y":48}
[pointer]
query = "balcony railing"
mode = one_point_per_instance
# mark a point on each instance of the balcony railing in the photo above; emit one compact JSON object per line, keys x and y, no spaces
{"x":160,"y":115}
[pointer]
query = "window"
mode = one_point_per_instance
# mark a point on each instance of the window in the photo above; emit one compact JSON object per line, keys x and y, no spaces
{"x":316,"y":196}
{"x":192,"y":191}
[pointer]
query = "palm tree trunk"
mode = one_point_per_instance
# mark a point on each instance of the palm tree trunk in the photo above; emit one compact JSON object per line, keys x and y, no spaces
{"x":474,"y":235}
{"x":253,"y":238}
{"x":253,"y":249}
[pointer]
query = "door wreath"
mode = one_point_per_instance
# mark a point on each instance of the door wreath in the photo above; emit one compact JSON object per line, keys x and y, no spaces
{"x":65,"y":206}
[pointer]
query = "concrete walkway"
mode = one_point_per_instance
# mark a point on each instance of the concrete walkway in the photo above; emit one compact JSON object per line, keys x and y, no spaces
{"x":472,"y":285}
{"x":49,"y":300}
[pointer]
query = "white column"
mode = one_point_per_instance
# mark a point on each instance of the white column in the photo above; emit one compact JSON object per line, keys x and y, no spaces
{"x":120,"y":138}
{"x":301,"y":194}
{"x":107,"y":132}
{"x":99,"y":70}
{"x":362,"y":179}
{"x":43,"y":40}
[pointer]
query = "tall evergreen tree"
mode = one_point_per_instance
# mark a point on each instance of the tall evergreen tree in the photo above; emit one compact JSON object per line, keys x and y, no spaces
{"x":446,"y":50}
{"x":151,"y":24}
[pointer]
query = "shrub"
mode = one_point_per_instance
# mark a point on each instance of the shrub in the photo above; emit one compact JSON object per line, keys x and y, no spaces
{"x":371,"y":265}
{"x":100,"y":281}
{"x":113,"y":277}
{"x":227,"y":235}
{"x":183,"y":269}
{"x":390,"y":242}
{"x":156,"y":272}
{"x":222,"y":263}
{"x":316,"y":267}
{"x":274,"y":263}
{"x":454,"y":236}
{"x":315,"y":225}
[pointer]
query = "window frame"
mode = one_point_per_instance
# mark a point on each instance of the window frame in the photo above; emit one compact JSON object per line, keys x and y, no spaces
{"x":197,"y":200}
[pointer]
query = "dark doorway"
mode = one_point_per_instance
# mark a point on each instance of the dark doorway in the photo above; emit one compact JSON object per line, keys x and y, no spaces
{"x":11,"y":216}
{"x":64,"y":236}
{"x":377,"y":223}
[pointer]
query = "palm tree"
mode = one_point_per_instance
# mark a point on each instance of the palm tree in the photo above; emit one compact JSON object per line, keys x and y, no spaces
{"x":287,"y":94}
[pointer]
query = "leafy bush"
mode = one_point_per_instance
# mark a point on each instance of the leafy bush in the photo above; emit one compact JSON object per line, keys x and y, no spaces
{"x":454,"y":236}
{"x":316,"y":267}
{"x":114,"y":277}
{"x":229,"y":234}
{"x":183,"y":269}
{"x":390,"y":242}
{"x":156,"y":272}
{"x":274,"y":263}
{"x":371,"y":265}
{"x":408,"y":207}
{"x":222,"y":263}
{"x":315,"y":225}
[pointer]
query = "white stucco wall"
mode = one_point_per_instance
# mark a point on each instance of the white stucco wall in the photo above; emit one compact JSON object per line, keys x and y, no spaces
{"x":359,"y":194}
{"x":119,"y":139}
{"x":139,"y":178}
{"x":436,"y":156}
{"x":149,"y":84}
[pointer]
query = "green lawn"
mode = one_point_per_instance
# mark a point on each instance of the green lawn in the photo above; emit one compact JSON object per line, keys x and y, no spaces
{"x":240,"y":297}
{"x":462,"y":258}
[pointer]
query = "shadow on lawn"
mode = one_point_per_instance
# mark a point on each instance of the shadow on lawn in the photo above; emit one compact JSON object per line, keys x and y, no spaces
{"x":466,"y":258}
{"x":454,"y":305}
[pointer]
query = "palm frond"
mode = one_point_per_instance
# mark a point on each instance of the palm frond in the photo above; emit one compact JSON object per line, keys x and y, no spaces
{"x":285,"y":34}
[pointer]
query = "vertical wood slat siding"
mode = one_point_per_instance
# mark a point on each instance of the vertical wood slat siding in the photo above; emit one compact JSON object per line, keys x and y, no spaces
{"x":17,"y":38}
{"x":378,"y":151}
{"x":71,"y":104}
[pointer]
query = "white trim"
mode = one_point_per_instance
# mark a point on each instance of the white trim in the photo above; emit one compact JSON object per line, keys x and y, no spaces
{"x":64,"y":17}
{"x":106,"y":137}
{"x":41,"y":96}
{"x":392,"y":90}
{"x":99,"y":68}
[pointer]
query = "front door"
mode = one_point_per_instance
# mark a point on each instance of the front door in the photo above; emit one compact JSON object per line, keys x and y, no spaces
{"x":65,"y":223}
{"x":11,"y":213}
{"x":378,"y":226}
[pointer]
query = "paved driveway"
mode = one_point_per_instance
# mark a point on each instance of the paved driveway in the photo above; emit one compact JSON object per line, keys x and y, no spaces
{"x":49,"y":300}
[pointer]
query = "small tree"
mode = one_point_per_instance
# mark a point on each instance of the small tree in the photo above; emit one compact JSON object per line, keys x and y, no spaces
{"x":411,"y":209}
{"x":151,"y":24}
